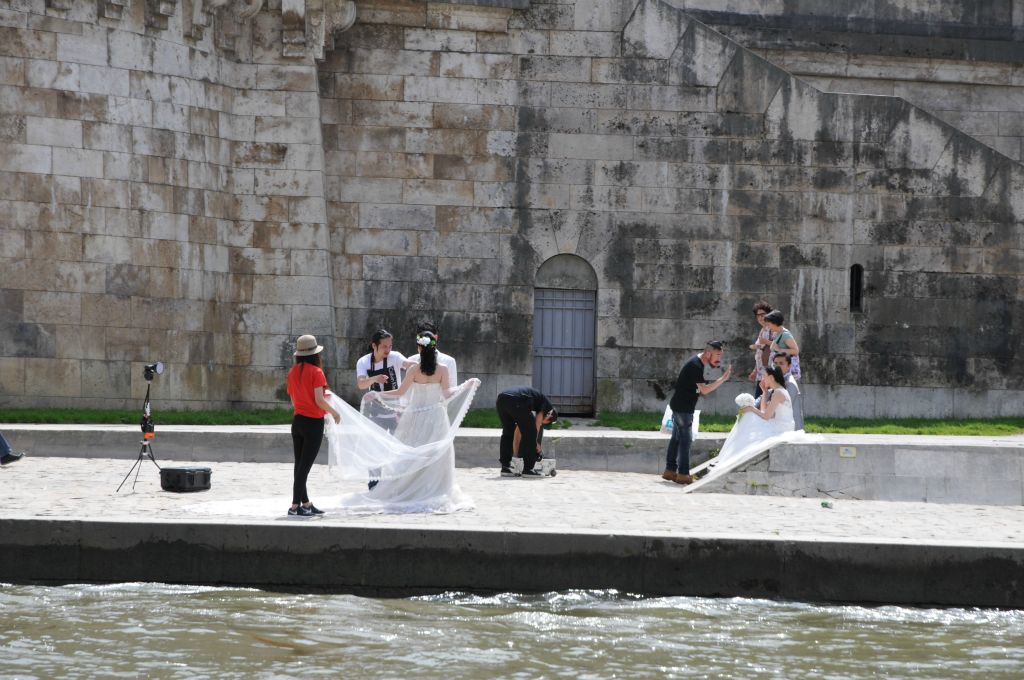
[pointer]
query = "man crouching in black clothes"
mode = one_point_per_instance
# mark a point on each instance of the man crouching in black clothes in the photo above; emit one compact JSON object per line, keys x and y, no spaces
{"x":530,"y":411}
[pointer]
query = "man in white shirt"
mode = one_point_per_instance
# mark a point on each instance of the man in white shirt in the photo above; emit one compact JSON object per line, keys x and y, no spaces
{"x":793,"y":387}
{"x":444,"y":359}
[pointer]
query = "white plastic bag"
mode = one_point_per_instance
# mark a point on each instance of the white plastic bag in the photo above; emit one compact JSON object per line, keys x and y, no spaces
{"x":666,"y":423}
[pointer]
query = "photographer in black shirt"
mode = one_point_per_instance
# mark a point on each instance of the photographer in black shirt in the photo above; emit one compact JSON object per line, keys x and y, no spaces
{"x":529,"y":410}
{"x":690,"y":385}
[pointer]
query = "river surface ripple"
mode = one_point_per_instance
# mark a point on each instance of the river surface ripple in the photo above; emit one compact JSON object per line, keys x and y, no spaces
{"x":165,"y":631}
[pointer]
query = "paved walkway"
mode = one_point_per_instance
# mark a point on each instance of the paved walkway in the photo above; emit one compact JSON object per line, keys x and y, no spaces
{"x":572,"y":502}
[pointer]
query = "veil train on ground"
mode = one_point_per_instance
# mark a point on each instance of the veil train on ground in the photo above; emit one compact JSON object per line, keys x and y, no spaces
{"x":415,"y":464}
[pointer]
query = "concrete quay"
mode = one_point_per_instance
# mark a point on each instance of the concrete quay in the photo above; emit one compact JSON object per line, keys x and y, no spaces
{"x":934,"y":469}
{"x":63,"y":522}
{"x":578,"y":448}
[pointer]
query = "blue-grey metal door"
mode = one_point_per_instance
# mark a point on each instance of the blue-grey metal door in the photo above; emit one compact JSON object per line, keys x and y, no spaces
{"x":563,"y":347}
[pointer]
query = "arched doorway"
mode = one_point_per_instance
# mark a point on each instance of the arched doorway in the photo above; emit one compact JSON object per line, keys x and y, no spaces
{"x":564,"y":330}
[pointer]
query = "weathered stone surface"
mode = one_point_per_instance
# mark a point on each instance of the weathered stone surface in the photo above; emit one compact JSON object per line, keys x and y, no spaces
{"x":396,"y":216}
{"x":131,"y":127}
{"x":27,"y":158}
{"x":54,"y":377}
{"x":489,"y":19}
{"x":205,"y":185}
{"x":653,"y":30}
{"x":701,"y":57}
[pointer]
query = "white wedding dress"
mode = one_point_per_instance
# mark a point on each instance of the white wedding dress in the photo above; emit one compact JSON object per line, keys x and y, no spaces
{"x":415,"y":464}
{"x":752,"y":435}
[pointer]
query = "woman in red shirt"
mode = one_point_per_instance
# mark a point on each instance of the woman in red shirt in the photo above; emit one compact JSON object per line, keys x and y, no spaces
{"x":306,"y":385}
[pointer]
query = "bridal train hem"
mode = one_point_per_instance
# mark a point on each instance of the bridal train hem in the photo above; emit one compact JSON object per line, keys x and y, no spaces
{"x":415,"y":464}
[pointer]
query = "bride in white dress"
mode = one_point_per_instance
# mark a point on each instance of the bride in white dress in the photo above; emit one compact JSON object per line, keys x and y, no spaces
{"x":758,"y":428}
{"x":416,"y":464}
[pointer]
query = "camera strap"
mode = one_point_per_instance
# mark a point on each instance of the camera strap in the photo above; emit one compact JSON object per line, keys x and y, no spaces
{"x":389,"y":371}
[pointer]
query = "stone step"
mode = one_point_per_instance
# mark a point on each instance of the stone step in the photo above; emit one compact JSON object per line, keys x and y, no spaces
{"x":976,"y":470}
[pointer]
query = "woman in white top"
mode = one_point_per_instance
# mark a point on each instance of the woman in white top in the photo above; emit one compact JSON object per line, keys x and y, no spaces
{"x":761,"y":346}
{"x":380,"y":371}
{"x":783,"y":342}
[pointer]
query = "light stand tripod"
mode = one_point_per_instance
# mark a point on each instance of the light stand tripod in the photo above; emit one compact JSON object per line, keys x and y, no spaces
{"x":148,"y":429}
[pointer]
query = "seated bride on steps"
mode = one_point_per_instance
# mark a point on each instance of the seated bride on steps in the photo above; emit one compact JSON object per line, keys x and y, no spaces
{"x":758,"y":427}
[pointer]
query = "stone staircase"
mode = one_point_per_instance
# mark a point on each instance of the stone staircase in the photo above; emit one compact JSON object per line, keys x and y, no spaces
{"x":973,"y":470}
{"x":934,"y":159}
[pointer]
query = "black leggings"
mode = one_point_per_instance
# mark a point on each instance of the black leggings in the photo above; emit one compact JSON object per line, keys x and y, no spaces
{"x":307,"y":435}
{"x":515,"y":412}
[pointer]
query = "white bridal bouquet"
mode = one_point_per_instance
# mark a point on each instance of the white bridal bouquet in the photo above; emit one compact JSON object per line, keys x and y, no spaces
{"x":742,"y":400}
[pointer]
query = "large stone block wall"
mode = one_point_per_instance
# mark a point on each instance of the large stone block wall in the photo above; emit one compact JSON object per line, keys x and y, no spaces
{"x":694,"y":176}
{"x":163,"y":200}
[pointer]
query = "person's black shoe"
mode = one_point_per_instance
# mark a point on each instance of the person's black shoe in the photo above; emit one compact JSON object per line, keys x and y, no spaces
{"x":533,"y":474}
{"x":300,"y":511}
{"x":507,"y":471}
{"x":314,"y":510}
{"x":372,"y":483}
{"x":12,"y":457}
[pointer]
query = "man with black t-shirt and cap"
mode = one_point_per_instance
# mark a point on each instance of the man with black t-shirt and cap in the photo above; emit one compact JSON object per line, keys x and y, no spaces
{"x":529,"y":410}
{"x":690,"y":385}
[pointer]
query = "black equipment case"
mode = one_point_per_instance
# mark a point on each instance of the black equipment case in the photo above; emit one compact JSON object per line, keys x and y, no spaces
{"x":185,"y":479}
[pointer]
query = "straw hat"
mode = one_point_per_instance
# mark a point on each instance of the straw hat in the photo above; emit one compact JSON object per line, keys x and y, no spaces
{"x":306,"y":345}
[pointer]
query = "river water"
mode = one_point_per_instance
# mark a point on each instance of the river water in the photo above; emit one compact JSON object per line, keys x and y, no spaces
{"x":163,"y":631}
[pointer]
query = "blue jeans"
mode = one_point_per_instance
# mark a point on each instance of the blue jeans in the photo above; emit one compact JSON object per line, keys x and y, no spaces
{"x":678,"y":456}
{"x":5,"y":448}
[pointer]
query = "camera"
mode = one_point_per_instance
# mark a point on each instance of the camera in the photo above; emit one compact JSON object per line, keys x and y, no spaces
{"x":150,"y":371}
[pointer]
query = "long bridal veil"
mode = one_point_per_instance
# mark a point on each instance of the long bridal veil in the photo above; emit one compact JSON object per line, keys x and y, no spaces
{"x":415,"y":463}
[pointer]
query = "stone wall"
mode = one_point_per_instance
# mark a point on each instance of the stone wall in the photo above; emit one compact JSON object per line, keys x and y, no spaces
{"x":983,"y":100}
{"x":199,"y":182}
{"x":694,"y":176}
{"x":163,"y":201}
{"x":960,"y":60}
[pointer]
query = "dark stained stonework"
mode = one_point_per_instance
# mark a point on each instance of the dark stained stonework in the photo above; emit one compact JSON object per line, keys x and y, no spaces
{"x":202,"y":189}
{"x":990,"y":37}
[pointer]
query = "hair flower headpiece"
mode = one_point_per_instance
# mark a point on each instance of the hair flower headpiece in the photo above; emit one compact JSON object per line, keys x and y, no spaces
{"x":423,"y":341}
